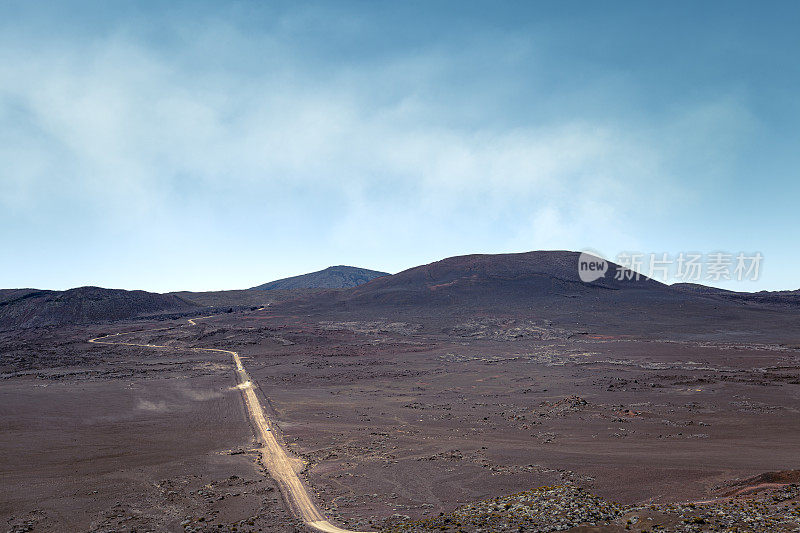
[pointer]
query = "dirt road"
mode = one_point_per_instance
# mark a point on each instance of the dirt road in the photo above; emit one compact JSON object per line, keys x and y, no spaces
{"x":281,"y":466}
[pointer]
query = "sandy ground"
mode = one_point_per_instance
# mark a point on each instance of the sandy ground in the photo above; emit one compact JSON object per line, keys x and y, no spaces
{"x":153,"y":450}
{"x":393,"y":419}
{"x":281,"y":465}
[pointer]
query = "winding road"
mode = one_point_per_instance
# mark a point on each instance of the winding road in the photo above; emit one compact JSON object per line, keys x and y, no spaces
{"x":281,"y":466}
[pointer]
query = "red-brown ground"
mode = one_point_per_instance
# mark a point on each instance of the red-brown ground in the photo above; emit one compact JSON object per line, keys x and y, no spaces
{"x":411,"y":418}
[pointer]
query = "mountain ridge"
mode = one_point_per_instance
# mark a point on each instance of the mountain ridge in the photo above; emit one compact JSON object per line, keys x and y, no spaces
{"x":544,"y":287}
{"x":26,"y":308}
{"x":487,"y":278}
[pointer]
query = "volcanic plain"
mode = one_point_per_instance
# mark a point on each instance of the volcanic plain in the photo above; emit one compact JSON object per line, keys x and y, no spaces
{"x":410,"y":400}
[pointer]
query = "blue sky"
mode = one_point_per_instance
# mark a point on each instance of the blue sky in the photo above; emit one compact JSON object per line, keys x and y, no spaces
{"x":201,"y":146}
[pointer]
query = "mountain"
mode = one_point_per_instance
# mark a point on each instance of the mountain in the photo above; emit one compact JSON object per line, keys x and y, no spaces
{"x":545,"y":287}
{"x":25,"y":308}
{"x":489,"y":279}
{"x":335,"y":277}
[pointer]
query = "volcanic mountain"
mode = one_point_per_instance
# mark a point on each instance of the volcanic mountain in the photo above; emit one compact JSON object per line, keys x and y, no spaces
{"x":335,"y":277}
{"x":541,"y":286}
{"x":25,"y":308}
{"x":484,"y":279}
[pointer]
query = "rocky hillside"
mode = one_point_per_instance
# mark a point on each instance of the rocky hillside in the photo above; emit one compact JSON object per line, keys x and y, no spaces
{"x":545,"y":287}
{"x":487,"y":281}
{"x":26,"y":308}
{"x":760,"y":507}
{"x":766,"y":298}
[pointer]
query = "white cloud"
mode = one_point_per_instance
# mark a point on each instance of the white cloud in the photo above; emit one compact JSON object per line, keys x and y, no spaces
{"x":136,"y":139}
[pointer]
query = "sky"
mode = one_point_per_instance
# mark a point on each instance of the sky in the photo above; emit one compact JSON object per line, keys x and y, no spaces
{"x":204,"y":146}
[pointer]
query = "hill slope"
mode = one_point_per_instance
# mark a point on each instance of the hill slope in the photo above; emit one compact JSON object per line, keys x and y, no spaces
{"x":785,"y":299}
{"x":544,"y":287}
{"x":25,"y":308}
{"x":507,"y":280}
{"x":335,"y":277}
{"x":243,"y":297}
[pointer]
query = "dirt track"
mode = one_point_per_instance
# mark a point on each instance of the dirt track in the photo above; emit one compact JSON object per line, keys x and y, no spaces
{"x":280,"y":465}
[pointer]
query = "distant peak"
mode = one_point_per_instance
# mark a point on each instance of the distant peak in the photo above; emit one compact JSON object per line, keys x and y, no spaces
{"x":332,"y":277}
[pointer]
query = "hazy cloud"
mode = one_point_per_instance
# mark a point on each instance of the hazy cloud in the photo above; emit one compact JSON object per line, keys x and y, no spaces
{"x":227,"y":137}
